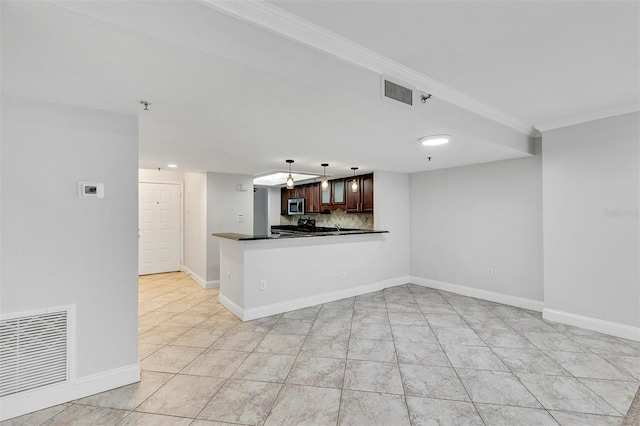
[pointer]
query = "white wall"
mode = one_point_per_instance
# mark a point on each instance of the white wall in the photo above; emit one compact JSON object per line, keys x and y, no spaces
{"x":261,"y":211}
{"x":391,"y":212}
{"x":224,"y":204}
{"x":465,"y":220}
{"x":195,"y":226}
{"x":591,"y":255}
{"x":275,"y":206}
{"x":148,"y":175}
{"x":58,"y":249}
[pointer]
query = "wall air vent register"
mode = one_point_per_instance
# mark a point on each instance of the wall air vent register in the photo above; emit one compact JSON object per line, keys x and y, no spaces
{"x":33,"y":351}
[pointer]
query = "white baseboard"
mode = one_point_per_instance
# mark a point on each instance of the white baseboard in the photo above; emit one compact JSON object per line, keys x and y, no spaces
{"x":212,"y":284}
{"x":292,"y":305}
{"x":38,"y":399}
{"x":593,"y":324}
{"x":519,"y":302}
{"x":235,"y":309}
{"x":207,"y":285}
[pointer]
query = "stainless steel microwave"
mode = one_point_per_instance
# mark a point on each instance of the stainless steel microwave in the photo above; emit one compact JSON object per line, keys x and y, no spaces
{"x":296,"y":206}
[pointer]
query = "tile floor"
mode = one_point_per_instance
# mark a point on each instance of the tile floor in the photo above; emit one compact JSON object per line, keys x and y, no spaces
{"x":405,"y":355}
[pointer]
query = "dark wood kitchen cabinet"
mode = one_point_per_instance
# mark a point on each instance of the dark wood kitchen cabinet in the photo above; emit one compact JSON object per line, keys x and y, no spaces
{"x":360,"y":201}
{"x":335,"y":194}
{"x":325,"y":195}
{"x":366,"y":203}
{"x":310,"y":193}
{"x":285,"y":195}
{"x":298,"y":191}
{"x":312,"y":198}
{"x":353,"y":198}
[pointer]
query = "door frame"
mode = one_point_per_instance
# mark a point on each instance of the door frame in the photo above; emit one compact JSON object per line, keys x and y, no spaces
{"x":166,"y":182}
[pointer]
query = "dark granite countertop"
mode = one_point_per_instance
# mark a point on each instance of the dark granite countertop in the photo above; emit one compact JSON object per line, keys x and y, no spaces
{"x":247,"y":237}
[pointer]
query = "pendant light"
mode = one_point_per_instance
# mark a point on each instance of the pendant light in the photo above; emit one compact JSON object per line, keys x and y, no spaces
{"x":325,"y":182}
{"x":289,"y":178}
{"x":354,"y":182}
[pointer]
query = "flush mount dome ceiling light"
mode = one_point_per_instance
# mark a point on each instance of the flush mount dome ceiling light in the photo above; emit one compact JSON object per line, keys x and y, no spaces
{"x":434,"y":140}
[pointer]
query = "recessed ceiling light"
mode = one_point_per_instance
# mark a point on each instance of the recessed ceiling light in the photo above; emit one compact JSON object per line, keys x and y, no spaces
{"x":173,"y":166}
{"x":434,"y":140}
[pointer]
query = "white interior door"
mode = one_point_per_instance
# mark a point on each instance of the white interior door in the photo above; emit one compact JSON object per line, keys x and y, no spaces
{"x":159,"y":223}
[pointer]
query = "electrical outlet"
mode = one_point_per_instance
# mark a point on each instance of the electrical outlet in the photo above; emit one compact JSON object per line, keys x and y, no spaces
{"x":229,"y":276}
{"x":343,"y":275}
{"x":263,"y":285}
{"x":240,"y":218}
{"x":490,"y":272}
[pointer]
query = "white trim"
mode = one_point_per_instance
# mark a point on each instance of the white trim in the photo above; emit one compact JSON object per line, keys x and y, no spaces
{"x":593,"y":324}
{"x":207,"y":285}
{"x":27,"y":402}
{"x":305,"y":302}
{"x":235,"y":309}
{"x":612,"y":112}
{"x":519,"y":302}
{"x":281,"y":22}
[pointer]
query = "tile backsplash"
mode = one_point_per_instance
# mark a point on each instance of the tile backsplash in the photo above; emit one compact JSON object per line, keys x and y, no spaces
{"x":344,"y":219}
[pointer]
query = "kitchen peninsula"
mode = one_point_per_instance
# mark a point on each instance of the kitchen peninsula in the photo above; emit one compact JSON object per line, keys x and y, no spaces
{"x":267,"y":275}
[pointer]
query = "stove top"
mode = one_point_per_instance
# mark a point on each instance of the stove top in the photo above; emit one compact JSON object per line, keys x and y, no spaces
{"x":307,"y":223}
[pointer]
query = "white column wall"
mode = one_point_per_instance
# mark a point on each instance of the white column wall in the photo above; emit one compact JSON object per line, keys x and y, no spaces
{"x":275,"y":206}
{"x":58,"y":249}
{"x":224,"y":204}
{"x":391,"y":212}
{"x":591,"y":188}
{"x":195,"y":226}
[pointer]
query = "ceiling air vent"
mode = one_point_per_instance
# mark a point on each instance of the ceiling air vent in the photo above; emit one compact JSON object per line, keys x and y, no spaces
{"x":399,"y":93}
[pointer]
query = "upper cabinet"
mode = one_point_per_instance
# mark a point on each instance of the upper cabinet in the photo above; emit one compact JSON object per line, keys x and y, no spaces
{"x":325,"y":196}
{"x":334,"y":194}
{"x":298,"y":191}
{"x":337,"y":196}
{"x":360,"y":201}
{"x":366,"y":203}
{"x":312,"y":198}
{"x":337,"y":192}
{"x":285,"y":195}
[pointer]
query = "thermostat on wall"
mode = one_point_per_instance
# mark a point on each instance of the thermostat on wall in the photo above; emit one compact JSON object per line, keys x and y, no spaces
{"x":90,"y":190}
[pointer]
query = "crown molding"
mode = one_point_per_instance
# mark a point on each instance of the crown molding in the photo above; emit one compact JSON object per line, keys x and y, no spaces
{"x":612,"y":112}
{"x":281,"y":22}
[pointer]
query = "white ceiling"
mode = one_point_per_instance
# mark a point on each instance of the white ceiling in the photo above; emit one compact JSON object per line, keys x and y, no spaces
{"x":540,"y":61}
{"x":232,"y":96}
